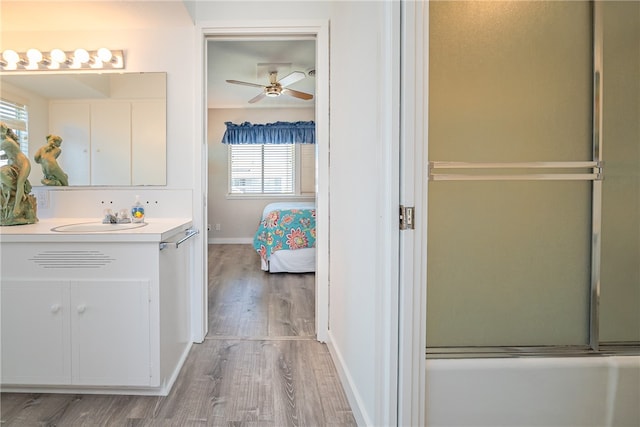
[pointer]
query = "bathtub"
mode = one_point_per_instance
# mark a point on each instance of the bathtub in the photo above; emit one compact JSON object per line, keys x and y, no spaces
{"x":600,"y":391}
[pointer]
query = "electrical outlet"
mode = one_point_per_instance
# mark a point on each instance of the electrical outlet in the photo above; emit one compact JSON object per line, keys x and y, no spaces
{"x":208,"y":227}
{"x":217,"y":227}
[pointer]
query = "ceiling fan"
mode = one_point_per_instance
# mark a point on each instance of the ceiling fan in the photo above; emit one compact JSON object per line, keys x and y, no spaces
{"x":277,"y":87}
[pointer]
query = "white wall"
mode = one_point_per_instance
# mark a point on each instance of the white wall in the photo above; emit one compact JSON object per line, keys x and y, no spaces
{"x":362,"y":205}
{"x":238,"y":218}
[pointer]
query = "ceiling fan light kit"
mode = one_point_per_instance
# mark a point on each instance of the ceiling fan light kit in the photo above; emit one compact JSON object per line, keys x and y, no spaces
{"x":277,"y":87}
{"x":272,"y":91}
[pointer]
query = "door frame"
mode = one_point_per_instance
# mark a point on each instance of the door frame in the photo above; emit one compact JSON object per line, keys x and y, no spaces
{"x":414,"y":127}
{"x":320,"y":30}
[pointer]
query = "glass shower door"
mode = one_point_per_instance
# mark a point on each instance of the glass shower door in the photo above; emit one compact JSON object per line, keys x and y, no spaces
{"x":513,"y":175}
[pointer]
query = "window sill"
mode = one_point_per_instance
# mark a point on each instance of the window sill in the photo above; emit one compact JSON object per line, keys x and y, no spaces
{"x":275,"y":197}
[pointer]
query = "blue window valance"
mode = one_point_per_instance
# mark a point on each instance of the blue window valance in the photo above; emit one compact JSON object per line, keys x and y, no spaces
{"x":270,"y":133}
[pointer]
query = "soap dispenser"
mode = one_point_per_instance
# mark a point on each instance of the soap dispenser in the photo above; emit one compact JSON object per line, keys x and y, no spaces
{"x":137,"y":211}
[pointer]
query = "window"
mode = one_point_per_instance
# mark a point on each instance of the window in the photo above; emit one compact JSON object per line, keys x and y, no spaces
{"x":15,"y":116}
{"x":262,"y":169}
{"x":287,"y":169}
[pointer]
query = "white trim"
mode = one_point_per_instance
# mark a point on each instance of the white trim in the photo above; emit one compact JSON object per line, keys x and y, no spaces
{"x":322,"y":180}
{"x":388,"y":202}
{"x":199,"y":266}
{"x":320,"y":30}
{"x":413,"y":158}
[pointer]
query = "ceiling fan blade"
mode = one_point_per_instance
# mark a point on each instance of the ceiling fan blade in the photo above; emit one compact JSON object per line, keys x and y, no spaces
{"x":291,"y":78}
{"x":257,"y":98}
{"x":297,"y":94}
{"x":238,"y":82}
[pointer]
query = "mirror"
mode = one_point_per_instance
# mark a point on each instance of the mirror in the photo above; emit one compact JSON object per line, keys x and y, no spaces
{"x":113,"y":125}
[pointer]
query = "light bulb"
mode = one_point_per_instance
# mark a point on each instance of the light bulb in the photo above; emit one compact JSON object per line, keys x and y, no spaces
{"x":58,"y":56}
{"x":34,"y":56}
{"x":105,"y":54}
{"x":11,"y":56}
{"x":81,"y":55}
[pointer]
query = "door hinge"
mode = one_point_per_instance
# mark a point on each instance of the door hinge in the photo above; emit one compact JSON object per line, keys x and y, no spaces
{"x":407,"y":217}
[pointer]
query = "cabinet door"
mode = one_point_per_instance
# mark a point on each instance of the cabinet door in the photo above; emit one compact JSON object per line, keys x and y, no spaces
{"x":148,"y":143}
{"x":35,"y":332}
{"x":72,"y":122}
{"x":110,"y":330}
{"x":111,"y":143}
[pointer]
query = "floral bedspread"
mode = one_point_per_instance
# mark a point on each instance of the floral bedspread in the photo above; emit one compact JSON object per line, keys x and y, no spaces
{"x":287,"y":229}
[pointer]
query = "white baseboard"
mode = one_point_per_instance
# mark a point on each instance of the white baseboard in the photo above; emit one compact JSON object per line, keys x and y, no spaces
{"x":230,"y":240}
{"x":355,"y":400}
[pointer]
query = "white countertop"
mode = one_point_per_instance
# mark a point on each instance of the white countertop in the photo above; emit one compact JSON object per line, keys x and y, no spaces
{"x":156,"y":230}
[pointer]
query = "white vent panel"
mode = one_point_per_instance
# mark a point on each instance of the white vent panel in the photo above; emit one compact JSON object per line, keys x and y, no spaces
{"x":72,"y":259}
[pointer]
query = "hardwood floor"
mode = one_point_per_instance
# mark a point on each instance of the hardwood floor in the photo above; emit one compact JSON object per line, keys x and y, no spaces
{"x":258,"y":366}
{"x":244,"y":301}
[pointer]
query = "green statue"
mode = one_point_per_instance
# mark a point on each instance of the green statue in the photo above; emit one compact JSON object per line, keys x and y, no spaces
{"x":47,"y":156}
{"x":17,"y":206}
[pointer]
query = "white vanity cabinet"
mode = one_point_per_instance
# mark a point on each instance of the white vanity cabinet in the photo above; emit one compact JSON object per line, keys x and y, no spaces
{"x":103,"y":316}
{"x":92,"y":332}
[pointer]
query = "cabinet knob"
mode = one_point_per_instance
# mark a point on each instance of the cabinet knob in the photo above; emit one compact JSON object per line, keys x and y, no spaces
{"x":82,"y":308}
{"x":55,"y":308}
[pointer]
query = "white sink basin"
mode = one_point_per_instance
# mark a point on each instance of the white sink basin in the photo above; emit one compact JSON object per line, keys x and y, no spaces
{"x":96,"y":227}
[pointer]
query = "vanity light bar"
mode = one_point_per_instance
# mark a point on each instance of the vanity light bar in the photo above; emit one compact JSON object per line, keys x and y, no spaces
{"x":58,"y":59}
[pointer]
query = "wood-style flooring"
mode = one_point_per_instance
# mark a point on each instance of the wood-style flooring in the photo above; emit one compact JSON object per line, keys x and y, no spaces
{"x":259,"y":365}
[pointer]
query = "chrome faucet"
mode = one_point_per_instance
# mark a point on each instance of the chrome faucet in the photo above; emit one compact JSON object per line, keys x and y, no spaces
{"x":111,"y":218}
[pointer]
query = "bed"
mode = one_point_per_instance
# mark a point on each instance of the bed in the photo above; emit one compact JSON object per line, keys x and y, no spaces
{"x":286,"y":236}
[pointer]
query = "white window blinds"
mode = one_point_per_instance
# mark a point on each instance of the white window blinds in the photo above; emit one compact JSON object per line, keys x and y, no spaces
{"x":15,"y":116}
{"x":262,"y":169}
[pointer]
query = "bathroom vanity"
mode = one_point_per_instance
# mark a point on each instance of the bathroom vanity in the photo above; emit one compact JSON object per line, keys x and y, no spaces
{"x":102,"y":311}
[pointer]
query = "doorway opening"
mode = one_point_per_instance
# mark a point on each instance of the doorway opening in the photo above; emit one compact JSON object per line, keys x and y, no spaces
{"x":250,"y":58}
